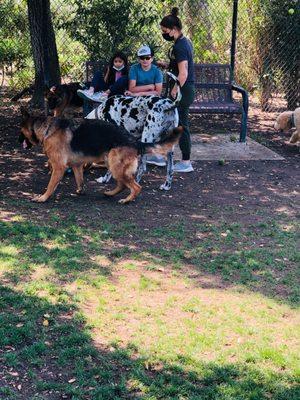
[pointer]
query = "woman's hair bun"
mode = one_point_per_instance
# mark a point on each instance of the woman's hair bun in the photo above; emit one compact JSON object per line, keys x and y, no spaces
{"x":175,"y":11}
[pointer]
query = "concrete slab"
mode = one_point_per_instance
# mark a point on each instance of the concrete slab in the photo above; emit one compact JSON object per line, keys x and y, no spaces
{"x":217,"y":147}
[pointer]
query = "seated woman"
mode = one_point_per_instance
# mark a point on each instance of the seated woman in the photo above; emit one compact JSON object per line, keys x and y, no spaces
{"x":144,"y":77}
{"x":115,"y":80}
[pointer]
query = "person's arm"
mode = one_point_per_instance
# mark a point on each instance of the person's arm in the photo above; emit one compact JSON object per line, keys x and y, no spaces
{"x":133,"y":88}
{"x":182,"y":76}
{"x":183,"y":72}
{"x":158,"y":88}
{"x":150,"y":92}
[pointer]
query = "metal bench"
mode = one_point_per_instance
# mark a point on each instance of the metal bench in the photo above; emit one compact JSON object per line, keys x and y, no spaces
{"x":214,"y":93}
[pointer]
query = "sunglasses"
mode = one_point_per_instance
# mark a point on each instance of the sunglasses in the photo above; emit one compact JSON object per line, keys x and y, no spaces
{"x":145,"y":57}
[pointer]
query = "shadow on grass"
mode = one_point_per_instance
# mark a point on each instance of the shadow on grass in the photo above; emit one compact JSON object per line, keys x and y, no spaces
{"x":262,"y":257}
{"x":58,"y":359}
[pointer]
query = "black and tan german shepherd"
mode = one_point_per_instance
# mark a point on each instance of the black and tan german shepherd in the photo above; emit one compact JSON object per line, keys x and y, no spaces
{"x":91,"y":141}
{"x":62,"y":98}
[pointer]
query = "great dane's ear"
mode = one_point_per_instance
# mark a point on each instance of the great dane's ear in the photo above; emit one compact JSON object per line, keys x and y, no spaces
{"x":24,"y":112}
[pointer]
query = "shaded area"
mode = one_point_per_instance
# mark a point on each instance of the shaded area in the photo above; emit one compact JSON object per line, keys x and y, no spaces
{"x":59,"y":360}
{"x":260,"y":254}
{"x":226,"y":226}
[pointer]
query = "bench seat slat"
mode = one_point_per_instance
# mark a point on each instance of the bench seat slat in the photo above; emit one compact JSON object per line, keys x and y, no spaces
{"x":216,"y":108}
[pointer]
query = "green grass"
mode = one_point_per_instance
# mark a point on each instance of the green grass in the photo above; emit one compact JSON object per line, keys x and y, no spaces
{"x":196,"y":311}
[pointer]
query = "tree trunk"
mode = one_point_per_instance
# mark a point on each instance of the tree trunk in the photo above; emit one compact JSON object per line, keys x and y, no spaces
{"x":44,"y":49}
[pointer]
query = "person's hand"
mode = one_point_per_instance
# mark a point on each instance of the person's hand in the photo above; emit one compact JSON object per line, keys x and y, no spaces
{"x":162,"y":64}
{"x":129,"y":93}
{"x":174,"y":92}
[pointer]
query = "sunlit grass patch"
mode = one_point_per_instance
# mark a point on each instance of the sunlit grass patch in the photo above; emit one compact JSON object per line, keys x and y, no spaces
{"x":191,"y":314}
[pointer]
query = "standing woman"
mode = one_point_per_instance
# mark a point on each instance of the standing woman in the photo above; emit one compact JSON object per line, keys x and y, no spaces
{"x":181,"y":65}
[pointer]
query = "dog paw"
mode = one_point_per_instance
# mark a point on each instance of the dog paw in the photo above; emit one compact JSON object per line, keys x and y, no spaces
{"x":39,"y":199}
{"x":288,"y":143}
{"x":123,"y":201}
{"x":165,"y":186}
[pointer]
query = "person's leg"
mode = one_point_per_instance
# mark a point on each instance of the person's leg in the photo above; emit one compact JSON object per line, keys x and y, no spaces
{"x":120,"y":86}
{"x":98,"y":82}
{"x":185,"y":139}
{"x":87,"y":94}
{"x":188,"y":94}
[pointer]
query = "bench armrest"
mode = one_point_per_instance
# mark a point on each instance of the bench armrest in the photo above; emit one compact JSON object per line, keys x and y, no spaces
{"x":244,"y":94}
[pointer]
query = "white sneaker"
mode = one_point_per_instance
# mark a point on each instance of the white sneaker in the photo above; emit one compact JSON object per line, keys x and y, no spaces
{"x":99,"y":97}
{"x":85,"y":94}
{"x":183,"y":166}
{"x":156,"y":160}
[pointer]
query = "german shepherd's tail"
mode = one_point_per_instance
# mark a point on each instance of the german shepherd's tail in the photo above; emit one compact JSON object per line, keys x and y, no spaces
{"x":164,"y":145}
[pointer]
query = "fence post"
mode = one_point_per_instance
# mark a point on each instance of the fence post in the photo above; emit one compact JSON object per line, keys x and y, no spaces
{"x":233,"y":37}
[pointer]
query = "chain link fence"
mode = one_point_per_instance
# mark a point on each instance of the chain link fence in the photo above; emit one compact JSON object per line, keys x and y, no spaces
{"x":267,"y":56}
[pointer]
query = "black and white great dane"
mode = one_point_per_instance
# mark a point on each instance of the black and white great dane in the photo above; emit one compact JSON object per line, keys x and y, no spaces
{"x":148,"y":118}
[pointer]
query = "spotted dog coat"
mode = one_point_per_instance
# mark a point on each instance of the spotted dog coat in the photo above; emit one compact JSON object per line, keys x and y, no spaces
{"x":148,"y":118}
{"x":145,"y":117}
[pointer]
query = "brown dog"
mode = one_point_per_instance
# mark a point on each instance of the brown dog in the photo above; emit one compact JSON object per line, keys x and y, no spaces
{"x":288,"y":120}
{"x":92,"y":141}
{"x":61,"y":98}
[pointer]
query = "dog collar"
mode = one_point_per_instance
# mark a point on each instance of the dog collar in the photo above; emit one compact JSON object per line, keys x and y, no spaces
{"x":292,"y":120}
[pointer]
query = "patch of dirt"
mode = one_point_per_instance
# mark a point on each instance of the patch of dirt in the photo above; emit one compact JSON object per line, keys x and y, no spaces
{"x":245,"y":186}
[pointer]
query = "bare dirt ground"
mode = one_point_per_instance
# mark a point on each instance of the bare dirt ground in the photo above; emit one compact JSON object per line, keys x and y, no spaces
{"x":267,"y":185}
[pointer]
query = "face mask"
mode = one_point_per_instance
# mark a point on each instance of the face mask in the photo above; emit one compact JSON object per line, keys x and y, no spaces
{"x":167,"y":37}
{"x":118,"y":69}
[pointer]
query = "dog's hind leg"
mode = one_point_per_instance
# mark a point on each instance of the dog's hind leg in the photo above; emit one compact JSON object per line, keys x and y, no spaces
{"x":141,"y":169}
{"x":295,"y":137}
{"x":119,"y":188}
{"x":56,"y":176}
{"x":168,"y":182}
{"x":123,"y":164}
{"x":78,"y":174}
{"x":135,"y":189}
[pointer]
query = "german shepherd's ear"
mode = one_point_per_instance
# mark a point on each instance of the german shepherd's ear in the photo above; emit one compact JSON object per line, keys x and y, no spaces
{"x":25,"y":114}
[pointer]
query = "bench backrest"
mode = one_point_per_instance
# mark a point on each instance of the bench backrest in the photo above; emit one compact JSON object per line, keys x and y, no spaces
{"x":213,"y":83}
{"x":93,"y":66}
